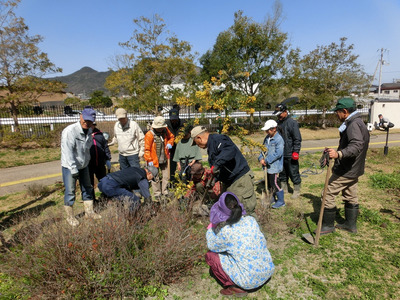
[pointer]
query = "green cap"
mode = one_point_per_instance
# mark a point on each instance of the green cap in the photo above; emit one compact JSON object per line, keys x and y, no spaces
{"x":344,"y":103}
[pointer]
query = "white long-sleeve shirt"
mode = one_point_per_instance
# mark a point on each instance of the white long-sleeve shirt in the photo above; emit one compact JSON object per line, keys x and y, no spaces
{"x":130,"y":138}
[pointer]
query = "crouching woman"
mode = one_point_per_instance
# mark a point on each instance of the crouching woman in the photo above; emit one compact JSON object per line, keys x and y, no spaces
{"x":238,"y":258}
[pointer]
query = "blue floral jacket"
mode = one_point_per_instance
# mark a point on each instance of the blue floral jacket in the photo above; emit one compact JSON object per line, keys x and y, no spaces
{"x":243,"y":252}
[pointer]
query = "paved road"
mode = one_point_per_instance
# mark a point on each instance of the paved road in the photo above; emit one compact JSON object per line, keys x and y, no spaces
{"x":19,"y":178}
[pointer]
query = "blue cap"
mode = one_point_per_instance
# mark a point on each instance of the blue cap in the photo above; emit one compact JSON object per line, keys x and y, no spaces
{"x":89,"y":114}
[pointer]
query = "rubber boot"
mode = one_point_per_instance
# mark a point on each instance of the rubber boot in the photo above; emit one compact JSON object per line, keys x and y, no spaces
{"x":69,"y":211}
{"x":296,"y":191}
{"x":284,"y":187}
{"x":328,"y":221}
{"x":351,"y":214}
{"x":281,"y":201}
{"x":89,"y":212}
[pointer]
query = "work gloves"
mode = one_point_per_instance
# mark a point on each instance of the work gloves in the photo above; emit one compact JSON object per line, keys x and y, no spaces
{"x":295,"y":156}
{"x":215,"y":170}
{"x":169,"y":146}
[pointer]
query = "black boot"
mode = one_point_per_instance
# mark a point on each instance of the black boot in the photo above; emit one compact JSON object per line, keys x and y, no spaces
{"x":328,"y":221}
{"x":351,"y":214}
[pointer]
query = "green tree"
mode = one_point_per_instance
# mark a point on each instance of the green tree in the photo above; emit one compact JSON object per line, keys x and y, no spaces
{"x":328,"y":73}
{"x":97,"y":99}
{"x":155,"y":59}
{"x":72,"y":101}
{"x":250,"y":58}
{"x":22,"y":64}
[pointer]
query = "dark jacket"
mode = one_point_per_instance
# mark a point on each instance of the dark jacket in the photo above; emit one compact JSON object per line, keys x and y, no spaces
{"x":175,"y":127}
{"x":225,"y":155}
{"x":289,"y":130}
{"x":353,"y":144}
{"x":132,"y":178}
{"x":99,"y":152}
{"x":129,"y":178}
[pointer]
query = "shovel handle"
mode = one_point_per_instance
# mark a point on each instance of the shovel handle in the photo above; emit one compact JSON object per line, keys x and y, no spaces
{"x":321,"y":212}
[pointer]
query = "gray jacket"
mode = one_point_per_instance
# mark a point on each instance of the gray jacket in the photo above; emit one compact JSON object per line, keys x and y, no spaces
{"x":353,"y":144}
{"x":75,"y":147}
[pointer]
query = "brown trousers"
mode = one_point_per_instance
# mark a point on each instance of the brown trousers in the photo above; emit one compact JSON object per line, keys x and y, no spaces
{"x":337,"y":184}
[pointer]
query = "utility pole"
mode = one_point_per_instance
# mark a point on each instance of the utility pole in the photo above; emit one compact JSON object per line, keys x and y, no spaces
{"x":381,"y":62}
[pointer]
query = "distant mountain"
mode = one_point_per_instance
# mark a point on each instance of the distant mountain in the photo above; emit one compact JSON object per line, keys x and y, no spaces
{"x":84,"y":82}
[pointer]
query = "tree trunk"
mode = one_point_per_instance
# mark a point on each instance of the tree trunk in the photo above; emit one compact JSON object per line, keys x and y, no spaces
{"x":14,"y":114}
{"x":323,"y":118}
{"x":251,"y":121}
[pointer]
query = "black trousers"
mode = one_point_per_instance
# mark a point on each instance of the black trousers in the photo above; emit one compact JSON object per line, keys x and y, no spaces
{"x":290,"y":171}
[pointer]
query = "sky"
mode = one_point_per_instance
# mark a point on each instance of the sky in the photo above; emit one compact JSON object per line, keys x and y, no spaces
{"x":79,"y":33}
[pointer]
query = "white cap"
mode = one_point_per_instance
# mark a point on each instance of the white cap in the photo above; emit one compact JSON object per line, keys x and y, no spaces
{"x":269,"y":124}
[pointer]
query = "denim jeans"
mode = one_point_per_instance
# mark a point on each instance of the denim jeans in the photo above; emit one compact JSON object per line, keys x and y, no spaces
{"x":129,"y":161}
{"x":70,"y":185}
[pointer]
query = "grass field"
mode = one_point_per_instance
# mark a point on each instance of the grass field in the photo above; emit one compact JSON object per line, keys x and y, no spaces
{"x":45,"y":259}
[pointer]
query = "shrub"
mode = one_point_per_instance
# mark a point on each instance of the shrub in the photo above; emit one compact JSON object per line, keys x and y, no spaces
{"x":114,"y":257}
{"x":37,"y":190}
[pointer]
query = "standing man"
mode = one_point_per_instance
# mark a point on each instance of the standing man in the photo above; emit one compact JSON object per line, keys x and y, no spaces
{"x":349,"y":165}
{"x":130,"y":139}
{"x":228,"y":165}
{"x":174,"y":125}
{"x":289,"y":129}
{"x":76,"y":140}
{"x":158,"y":142}
{"x":100,"y":156}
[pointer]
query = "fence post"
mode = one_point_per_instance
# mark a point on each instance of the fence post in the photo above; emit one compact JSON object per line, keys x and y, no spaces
{"x":12,"y":128}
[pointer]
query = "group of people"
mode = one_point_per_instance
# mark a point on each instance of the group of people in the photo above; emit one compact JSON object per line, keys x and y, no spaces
{"x":239,"y":261}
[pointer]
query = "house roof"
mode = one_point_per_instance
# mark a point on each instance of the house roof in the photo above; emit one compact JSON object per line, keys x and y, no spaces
{"x":390,"y":86}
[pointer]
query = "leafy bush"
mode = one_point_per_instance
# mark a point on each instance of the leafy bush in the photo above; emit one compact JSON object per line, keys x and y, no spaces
{"x":114,"y":257}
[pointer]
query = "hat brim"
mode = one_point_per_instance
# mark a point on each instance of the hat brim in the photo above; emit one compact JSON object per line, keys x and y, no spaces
{"x":158,"y":127}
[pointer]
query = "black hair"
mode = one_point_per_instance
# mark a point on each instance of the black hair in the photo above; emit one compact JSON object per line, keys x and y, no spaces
{"x":351,"y":109}
{"x":236,"y":209}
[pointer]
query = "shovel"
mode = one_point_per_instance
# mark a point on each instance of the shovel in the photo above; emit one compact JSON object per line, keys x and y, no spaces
{"x":308,"y":236}
{"x":265,"y":195}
